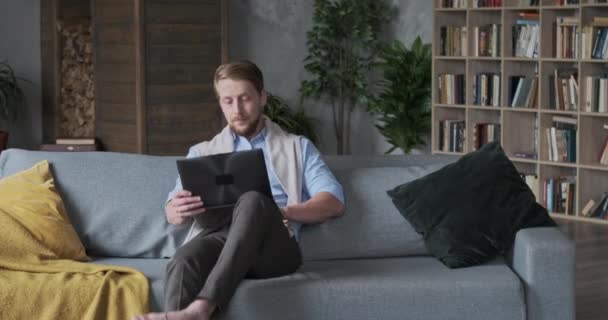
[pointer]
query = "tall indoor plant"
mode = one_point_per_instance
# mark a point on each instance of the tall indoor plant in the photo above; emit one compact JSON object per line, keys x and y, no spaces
{"x":296,"y":122}
{"x":342,"y":45}
{"x":403,"y":102}
{"x":12,"y":100}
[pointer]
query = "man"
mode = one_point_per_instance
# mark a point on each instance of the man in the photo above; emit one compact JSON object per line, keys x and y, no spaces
{"x":258,"y":239}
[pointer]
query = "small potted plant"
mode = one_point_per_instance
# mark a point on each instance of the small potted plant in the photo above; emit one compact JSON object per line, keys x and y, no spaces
{"x":12,"y":100}
{"x":403,"y":104}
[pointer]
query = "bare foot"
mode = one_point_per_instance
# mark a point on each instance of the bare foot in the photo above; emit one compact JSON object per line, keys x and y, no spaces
{"x":197,"y":310}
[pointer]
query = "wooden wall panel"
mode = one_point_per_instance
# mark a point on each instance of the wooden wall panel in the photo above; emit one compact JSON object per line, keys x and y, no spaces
{"x":117,"y":113}
{"x":115,"y":53}
{"x":115,"y":84}
{"x":182,"y":34}
{"x":117,"y":33}
{"x":201,"y":12}
{"x":185,"y":40}
{"x":180,"y":54}
{"x":179,"y":73}
{"x":115,"y":72}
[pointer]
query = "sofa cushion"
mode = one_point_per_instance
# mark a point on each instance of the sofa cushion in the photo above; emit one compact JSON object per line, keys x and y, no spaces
{"x":469,"y":211}
{"x":365,"y":289}
{"x":114,"y":200}
{"x":392,"y":288}
{"x":33,"y":215}
{"x":371,"y":226}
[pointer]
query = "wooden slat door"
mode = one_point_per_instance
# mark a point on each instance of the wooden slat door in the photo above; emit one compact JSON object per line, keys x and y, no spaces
{"x":154,"y":69}
{"x":115,"y":57}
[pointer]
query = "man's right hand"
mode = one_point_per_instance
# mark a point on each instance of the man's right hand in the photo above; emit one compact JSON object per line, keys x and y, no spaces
{"x":182,"y":207}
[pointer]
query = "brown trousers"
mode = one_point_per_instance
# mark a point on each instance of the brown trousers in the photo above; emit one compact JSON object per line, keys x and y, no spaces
{"x":254,"y":243}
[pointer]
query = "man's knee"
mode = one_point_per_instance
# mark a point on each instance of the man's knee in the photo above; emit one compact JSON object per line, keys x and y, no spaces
{"x":253,"y":203}
{"x":252,"y":196}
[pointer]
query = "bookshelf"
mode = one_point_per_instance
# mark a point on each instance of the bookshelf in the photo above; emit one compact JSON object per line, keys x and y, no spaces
{"x":555,"y":129}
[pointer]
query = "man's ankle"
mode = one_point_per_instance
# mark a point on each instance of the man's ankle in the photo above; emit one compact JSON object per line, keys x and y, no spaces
{"x":201,"y":306}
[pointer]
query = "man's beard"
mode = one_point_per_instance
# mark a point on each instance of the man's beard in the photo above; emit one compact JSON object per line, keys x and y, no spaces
{"x":249,"y":129}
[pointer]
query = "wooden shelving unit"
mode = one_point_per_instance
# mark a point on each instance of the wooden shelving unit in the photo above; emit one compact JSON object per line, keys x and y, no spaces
{"x":523,"y":129}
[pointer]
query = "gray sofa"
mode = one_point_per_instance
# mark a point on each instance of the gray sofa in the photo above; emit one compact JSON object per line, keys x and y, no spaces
{"x":369,"y":264}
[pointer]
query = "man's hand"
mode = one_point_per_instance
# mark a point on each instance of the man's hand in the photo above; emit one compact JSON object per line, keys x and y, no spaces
{"x":182,"y":207}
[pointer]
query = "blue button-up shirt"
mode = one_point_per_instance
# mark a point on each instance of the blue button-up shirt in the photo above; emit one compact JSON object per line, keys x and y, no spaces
{"x":317,"y":177}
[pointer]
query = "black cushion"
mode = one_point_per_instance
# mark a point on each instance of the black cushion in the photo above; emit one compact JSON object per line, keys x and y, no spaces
{"x":469,"y":211}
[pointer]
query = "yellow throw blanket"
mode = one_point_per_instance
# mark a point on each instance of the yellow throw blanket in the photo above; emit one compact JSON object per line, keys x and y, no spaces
{"x":43,"y":269}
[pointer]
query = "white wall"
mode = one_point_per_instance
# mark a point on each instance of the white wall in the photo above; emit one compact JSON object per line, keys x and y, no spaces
{"x":20,"y":46}
{"x":272,"y":33}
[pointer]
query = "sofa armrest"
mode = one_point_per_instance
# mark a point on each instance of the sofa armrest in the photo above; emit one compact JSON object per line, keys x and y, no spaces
{"x":544,"y":259}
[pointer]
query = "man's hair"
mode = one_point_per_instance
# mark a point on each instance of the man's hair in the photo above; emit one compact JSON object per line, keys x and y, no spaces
{"x":239,"y":70}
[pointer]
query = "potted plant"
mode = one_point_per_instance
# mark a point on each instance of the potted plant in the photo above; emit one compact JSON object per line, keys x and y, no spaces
{"x":294,"y":122}
{"x":342,"y":46}
{"x":12,"y":100}
{"x":403,"y":102}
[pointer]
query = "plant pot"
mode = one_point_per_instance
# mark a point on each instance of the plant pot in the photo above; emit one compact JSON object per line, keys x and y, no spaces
{"x":3,"y":140}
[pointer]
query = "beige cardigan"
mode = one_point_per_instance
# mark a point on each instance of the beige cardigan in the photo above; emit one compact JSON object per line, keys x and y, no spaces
{"x":285,"y":155}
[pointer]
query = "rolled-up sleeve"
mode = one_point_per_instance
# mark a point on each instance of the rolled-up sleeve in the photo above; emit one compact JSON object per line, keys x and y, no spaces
{"x":192,"y":153}
{"x":317,"y":176}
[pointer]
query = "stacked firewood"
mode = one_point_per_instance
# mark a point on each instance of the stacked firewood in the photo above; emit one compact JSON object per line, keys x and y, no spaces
{"x":77,"y":89}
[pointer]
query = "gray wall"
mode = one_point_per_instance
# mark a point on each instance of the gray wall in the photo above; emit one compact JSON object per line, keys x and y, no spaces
{"x":272,"y":33}
{"x":20,"y":46}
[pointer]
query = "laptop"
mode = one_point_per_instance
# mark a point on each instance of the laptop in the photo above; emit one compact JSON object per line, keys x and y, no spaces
{"x":221,"y":179}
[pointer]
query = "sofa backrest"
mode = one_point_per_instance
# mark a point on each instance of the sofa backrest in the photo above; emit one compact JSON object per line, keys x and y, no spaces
{"x":371,"y":226}
{"x":116,"y":201}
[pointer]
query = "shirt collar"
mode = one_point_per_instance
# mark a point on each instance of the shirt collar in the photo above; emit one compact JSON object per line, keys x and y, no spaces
{"x":261,"y":135}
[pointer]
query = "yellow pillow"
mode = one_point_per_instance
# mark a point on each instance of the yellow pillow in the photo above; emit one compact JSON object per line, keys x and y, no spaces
{"x":33,"y":219}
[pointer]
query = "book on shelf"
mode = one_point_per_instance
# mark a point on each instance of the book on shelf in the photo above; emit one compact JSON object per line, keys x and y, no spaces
{"x":79,"y":141}
{"x":453,"y":41}
{"x":563,"y":90}
{"x":487,"y":40}
{"x":603,"y":157}
{"x":486,"y":89}
{"x":487,"y":3}
{"x":525,"y":154}
{"x":593,"y":39}
{"x":564,"y":2}
{"x":559,"y":194}
{"x":532,"y":182}
{"x":454,"y":4}
{"x":566,"y":37}
{"x":586,"y":212}
{"x":531,"y":3}
{"x":484,"y":133}
{"x":596,"y":93}
{"x":523,"y":91}
{"x":451,"y":135}
{"x":561,"y":139}
{"x":525,"y":35}
{"x":599,"y":208}
{"x":451,"y":88}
